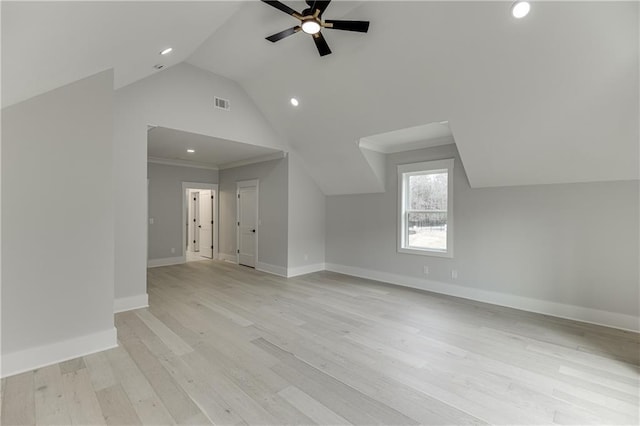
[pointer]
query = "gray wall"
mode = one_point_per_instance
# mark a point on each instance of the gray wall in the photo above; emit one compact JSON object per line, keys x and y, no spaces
{"x":165,"y":206}
{"x":57,"y":215}
{"x":307,"y":211}
{"x":575,"y":244}
{"x":272,"y":210}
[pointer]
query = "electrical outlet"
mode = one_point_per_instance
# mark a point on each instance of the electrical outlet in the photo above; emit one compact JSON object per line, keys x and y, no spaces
{"x":425,"y":270}
{"x":454,"y":274}
{"x":150,"y":221}
{"x":173,"y":250}
{"x":306,"y":257}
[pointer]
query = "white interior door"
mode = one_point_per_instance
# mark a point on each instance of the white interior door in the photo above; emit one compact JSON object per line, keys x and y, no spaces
{"x":205,"y":228}
{"x":247,"y":225}
{"x":195,"y":220}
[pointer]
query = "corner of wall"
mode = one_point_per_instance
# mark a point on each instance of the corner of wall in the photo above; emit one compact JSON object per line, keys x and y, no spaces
{"x":377,"y":162}
{"x":123,"y":304}
{"x":307,"y":217}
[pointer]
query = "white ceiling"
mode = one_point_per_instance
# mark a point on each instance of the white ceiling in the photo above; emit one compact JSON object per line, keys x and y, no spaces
{"x":549,"y":98}
{"x":238,"y":49}
{"x":48,"y":44}
{"x":168,"y":144}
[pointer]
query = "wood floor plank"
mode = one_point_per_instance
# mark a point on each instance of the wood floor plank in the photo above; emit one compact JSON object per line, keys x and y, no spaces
{"x":100,"y":371}
{"x":630,"y":387}
{"x":18,"y":403}
{"x":50,"y":400}
{"x":148,"y":406}
{"x":3,"y":383}
{"x":116,"y":407}
{"x":372,"y":377}
{"x":320,"y":414}
{"x":82,"y":403}
{"x":243,"y":322}
{"x":232,"y":394}
{"x":379,"y":412}
{"x":164,"y":333}
{"x":178,"y":403}
{"x":202,"y":392}
{"x":71,"y":365}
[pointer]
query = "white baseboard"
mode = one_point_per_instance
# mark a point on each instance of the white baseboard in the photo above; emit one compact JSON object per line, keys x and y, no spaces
{"x":578,"y":313}
{"x":129,"y":303}
{"x":167,"y":261}
{"x":272,"y":269}
{"x":40,"y":356}
{"x":228,"y":257}
{"x":303,"y":270}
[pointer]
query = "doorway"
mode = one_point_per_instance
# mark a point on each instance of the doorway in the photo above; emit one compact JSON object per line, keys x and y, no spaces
{"x":200,"y":230}
{"x":247,"y":219}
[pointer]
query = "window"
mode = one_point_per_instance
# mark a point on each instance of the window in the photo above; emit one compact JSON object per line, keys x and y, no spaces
{"x":425,"y":218}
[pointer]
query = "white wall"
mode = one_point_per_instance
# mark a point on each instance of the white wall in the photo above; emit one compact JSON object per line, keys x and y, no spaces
{"x":181,"y":98}
{"x":272,"y":212}
{"x":165,"y":206}
{"x":307,"y":210}
{"x":57,"y":222}
{"x":570,"y":250}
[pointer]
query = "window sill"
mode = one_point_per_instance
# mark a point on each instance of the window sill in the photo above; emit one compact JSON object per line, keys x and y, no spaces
{"x":426,"y":252}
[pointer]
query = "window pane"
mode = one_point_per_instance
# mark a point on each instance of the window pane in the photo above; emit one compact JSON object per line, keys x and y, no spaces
{"x":428,"y":192}
{"x":428,"y":230}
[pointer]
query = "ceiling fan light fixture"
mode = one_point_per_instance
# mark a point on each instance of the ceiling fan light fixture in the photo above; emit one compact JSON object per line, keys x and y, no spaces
{"x":312,"y":22}
{"x":311,"y":26}
{"x":520,"y":9}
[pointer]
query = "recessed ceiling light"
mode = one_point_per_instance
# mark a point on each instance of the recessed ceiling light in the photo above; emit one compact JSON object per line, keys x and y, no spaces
{"x":294,"y":102}
{"x":191,"y":151}
{"x":167,"y":51}
{"x":311,"y":26}
{"x":520,"y":9}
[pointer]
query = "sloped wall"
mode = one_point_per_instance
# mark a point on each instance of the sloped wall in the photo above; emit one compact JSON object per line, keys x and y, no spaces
{"x":57,"y":224}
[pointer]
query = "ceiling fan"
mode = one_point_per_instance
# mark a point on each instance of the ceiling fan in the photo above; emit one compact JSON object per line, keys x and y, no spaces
{"x":311,"y":23}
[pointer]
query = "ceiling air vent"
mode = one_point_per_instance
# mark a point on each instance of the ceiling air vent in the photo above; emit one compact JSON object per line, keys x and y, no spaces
{"x":222,"y":103}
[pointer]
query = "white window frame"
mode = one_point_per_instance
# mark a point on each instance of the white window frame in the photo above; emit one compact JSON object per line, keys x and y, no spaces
{"x":426,"y":167}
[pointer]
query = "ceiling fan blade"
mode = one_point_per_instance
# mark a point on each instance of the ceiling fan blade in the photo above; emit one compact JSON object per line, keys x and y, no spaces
{"x":282,"y":7}
{"x":321,"y":44}
{"x":318,"y":5}
{"x":283,"y":34}
{"x":358,"y":26}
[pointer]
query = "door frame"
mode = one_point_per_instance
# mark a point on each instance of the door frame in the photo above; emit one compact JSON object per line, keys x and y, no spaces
{"x":247,"y":184}
{"x":214,"y":212}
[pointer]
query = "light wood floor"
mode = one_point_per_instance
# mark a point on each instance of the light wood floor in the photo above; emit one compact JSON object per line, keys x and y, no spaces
{"x":224,"y":344}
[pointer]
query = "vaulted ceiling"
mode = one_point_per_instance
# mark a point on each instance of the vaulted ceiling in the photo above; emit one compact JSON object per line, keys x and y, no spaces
{"x":551,"y":98}
{"x":47,"y":44}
